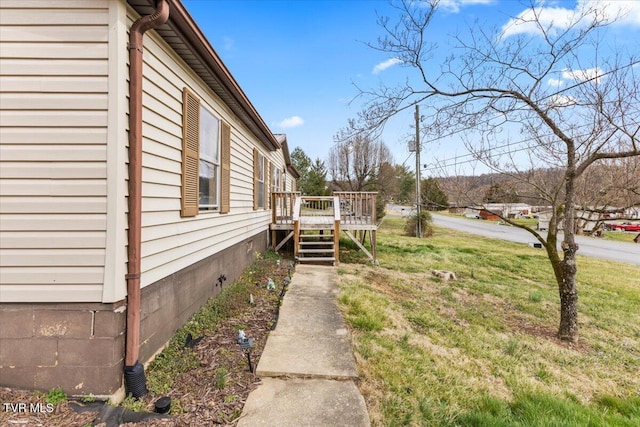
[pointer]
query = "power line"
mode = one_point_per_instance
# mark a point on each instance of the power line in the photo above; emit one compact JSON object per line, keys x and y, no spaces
{"x":546,"y":97}
{"x":443,"y":164}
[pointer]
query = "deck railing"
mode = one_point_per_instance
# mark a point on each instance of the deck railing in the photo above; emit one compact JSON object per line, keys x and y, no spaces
{"x":348,"y":211}
{"x":357,"y":207}
{"x":316,"y":206}
{"x":282,"y":205}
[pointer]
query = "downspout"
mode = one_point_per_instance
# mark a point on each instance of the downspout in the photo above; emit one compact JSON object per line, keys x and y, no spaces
{"x":135,"y":380}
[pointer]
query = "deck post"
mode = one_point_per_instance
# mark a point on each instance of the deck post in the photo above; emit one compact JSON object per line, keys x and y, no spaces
{"x":296,"y":238}
{"x":373,"y":244}
{"x":296,"y":226}
{"x":336,"y":240}
{"x":354,"y":213}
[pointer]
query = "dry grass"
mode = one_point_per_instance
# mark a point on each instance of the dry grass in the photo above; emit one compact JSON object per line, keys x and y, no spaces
{"x":482,"y":350}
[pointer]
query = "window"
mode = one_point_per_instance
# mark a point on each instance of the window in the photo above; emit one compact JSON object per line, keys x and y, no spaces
{"x":209,"y":161}
{"x":275,"y":179}
{"x":258,"y":179}
{"x":206,"y":159}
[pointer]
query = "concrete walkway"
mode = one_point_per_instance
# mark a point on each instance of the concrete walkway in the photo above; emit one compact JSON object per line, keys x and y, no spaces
{"x":307,"y":366}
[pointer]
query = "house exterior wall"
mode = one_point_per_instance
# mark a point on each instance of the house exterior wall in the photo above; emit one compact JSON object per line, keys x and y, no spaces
{"x":63,"y":204}
{"x":80,"y":346}
{"x":63,"y":198}
{"x":53,"y":128}
{"x":76,"y":346}
{"x":169,"y":242}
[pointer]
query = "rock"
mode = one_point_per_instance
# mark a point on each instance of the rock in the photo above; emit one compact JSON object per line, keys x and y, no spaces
{"x":444,"y":275}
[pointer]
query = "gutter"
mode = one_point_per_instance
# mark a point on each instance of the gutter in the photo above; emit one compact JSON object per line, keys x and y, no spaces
{"x":135,"y":380}
{"x":187,"y":30}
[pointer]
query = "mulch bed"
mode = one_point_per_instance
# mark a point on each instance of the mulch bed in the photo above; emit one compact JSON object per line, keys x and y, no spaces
{"x":212,"y":394}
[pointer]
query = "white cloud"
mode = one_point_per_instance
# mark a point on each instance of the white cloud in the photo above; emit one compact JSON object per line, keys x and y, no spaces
{"x":529,"y":21}
{"x":625,"y":12}
{"x":555,"y":82}
{"x":386,"y":64}
{"x":562,"y":101}
{"x":583,"y":75}
{"x":453,"y":6}
{"x":290,"y":122}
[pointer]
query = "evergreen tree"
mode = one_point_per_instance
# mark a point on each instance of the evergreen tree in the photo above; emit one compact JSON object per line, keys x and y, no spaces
{"x":406,"y":184}
{"x":502,"y":193}
{"x":433,"y":198}
{"x":302,"y":162}
{"x":316,"y":182}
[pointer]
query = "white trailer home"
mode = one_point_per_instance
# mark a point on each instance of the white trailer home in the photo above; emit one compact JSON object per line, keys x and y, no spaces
{"x":135,"y":176}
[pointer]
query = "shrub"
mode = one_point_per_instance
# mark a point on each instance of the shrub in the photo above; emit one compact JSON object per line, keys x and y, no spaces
{"x":425,"y":220}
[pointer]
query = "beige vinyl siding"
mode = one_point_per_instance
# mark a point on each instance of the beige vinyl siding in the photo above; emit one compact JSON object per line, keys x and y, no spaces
{"x":53,"y":127}
{"x":169,"y":242}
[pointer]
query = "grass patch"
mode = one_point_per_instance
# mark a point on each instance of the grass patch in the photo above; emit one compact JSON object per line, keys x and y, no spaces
{"x":364,"y":310}
{"x":218,"y":366}
{"x":482,"y":350}
{"x":619,"y":236}
{"x":175,"y":359}
{"x":55,"y":396}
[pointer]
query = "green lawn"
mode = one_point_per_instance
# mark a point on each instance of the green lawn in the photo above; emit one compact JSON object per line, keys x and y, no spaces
{"x":619,"y":236}
{"x":481,"y":350}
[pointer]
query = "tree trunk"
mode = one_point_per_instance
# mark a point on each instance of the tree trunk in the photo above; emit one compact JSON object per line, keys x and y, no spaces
{"x":568,"y":330}
{"x":565,"y":273}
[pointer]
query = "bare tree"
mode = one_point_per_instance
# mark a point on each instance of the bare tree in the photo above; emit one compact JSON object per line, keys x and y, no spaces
{"x":607,"y":190}
{"x":355,"y":160}
{"x":542,"y":106}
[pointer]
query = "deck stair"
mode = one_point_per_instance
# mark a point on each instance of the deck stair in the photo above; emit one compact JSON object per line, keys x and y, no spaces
{"x":314,"y":247}
{"x":316,"y":229}
{"x":313,"y":223}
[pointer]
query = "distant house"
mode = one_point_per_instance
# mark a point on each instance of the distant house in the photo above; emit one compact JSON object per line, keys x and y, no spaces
{"x":81,"y":298}
{"x":493,"y":211}
{"x":488,"y":215}
{"x":455,"y":209}
{"x":544,"y":217}
{"x":585,"y":220}
{"x":632,"y":212}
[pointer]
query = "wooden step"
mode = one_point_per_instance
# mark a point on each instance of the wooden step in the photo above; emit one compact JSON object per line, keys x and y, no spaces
{"x":320,"y":243}
{"x":315,"y":236}
{"x":316,"y":259}
{"x":316,"y":251}
{"x":315,"y":227}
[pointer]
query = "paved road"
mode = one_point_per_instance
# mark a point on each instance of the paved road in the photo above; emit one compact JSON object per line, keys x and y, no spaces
{"x":605,"y":249}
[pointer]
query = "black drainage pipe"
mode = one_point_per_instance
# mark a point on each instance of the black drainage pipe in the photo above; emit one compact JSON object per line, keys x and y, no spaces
{"x":135,"y":381}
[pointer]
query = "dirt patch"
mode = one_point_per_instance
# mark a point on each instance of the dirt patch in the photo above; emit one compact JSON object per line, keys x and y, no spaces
{"x":547,"y":333}
{"x":213,"y":393}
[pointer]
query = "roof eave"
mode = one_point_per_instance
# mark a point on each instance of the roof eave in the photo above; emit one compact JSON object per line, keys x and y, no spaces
{"x":282,"y":140}
{"x":182,"y":32}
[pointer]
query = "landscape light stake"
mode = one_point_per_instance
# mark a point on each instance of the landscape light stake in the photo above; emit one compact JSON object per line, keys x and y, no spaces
{"x":246,"y":344}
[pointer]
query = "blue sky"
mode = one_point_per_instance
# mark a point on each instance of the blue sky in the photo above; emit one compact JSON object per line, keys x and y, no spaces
{"x":298,"y":61}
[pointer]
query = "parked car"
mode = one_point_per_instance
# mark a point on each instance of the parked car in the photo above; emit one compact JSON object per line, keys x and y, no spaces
{"x":625,"y":226}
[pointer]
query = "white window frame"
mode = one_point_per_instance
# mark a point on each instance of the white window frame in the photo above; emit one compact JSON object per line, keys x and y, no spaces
{"x":212,"y":161}
{"x":275,"y":179}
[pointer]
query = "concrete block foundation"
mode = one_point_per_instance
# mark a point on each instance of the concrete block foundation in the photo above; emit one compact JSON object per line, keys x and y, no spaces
{"x":80,"y":346}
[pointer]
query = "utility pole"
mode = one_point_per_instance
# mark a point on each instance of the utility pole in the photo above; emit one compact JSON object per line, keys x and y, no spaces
{"x":418,"y":202}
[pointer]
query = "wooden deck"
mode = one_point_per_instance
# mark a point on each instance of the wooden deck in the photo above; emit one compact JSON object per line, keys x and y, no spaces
{"x":305,"y":216}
